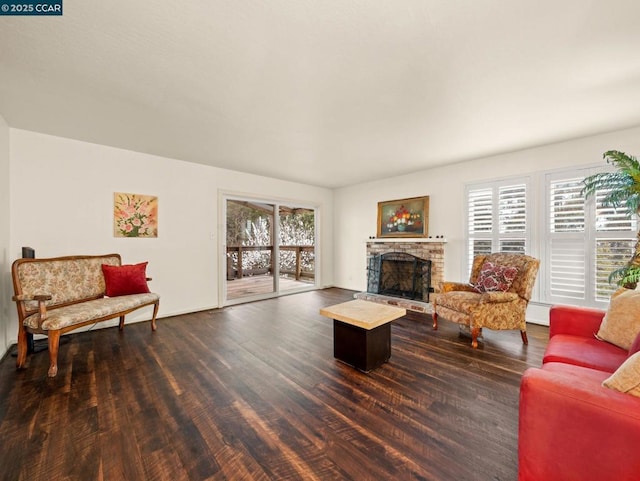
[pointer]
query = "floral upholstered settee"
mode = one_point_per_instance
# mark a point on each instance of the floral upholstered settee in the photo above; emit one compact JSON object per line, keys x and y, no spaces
{"x":496,"y":296}
{"x":60,"y":294}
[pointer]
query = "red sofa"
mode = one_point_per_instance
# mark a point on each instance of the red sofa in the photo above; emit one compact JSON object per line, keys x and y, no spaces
{"x":570,"y":426}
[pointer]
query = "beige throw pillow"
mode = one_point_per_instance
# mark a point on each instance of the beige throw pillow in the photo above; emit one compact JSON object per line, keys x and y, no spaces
{"x":621,"y":324}
{"x":627,"y":377}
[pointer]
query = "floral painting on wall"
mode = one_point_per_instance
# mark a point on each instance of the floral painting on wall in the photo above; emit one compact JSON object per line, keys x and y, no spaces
{"x":135,"y":215}
{"x":404,"y":218}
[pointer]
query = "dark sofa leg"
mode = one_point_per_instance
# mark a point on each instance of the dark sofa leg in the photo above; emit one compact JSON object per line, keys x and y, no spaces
{"x":523,"y":334}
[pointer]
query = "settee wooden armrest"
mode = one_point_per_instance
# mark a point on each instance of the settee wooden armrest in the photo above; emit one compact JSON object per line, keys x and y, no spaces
{"x":42,"y":306}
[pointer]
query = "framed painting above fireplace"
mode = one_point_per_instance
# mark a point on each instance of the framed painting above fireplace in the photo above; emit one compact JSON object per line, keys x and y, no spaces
{"x":404,"y":217}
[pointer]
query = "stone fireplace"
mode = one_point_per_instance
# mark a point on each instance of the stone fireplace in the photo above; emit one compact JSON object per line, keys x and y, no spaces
{"x":398,"y":274}
{"x":426,"y":256}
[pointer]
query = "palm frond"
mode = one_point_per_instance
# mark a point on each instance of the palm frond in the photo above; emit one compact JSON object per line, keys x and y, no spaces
{"x":623,"y":162}
{"x":622,"y":186}
{"x":627,"y":276}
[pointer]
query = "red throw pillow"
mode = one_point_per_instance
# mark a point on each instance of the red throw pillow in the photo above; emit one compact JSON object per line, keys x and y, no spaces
{"x":494,"y":278}
{"x":635,"y":347}
{"x":125,"y":280}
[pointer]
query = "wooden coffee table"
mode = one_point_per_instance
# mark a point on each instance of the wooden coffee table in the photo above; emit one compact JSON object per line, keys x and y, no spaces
{"x":362,"y":332}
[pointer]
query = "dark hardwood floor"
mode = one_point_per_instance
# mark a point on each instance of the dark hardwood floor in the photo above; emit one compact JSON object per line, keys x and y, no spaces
{"x":253,"y":392}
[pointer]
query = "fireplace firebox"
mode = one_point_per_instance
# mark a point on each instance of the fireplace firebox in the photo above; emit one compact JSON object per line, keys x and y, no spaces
{"x":398,"y":274}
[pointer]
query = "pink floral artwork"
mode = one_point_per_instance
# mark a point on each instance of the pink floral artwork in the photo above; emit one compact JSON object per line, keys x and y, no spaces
{"x":135,"y":215}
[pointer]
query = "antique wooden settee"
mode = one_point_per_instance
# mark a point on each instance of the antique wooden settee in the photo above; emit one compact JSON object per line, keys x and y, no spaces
{"x":60,"y":294}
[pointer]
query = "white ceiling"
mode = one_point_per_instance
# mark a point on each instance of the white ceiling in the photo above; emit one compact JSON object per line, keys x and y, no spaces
{"x":325,"y":92}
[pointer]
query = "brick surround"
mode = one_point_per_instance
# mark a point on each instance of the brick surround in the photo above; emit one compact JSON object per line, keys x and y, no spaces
{"x":425,"y":249}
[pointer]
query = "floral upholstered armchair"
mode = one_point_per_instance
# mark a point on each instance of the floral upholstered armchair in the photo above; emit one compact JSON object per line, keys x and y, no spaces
{"x":496,"y":296}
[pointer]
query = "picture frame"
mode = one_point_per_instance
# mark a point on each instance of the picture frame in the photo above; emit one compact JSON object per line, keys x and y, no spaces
{"x":404,"y":217}
{"x":135,"y":215}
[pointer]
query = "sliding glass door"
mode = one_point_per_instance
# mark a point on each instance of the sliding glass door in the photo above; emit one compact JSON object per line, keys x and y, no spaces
{"x":269,"y":249}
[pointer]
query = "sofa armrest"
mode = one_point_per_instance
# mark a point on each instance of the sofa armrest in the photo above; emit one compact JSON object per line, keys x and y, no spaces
{"x":570,"y":427}
{"x":575,"y":321}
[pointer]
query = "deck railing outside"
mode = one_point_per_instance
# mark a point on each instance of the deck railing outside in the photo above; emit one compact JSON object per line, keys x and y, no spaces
{"x":235,"y":268}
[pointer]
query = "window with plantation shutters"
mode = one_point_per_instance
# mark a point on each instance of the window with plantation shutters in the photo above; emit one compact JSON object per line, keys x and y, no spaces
{"x":579,"y":241}
{"x":497,"y":218}
{"x":584,"y":242}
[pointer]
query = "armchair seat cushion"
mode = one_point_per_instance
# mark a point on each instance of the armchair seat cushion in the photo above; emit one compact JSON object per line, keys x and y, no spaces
{"x":463,"y":301}
{"x":584,"y":351}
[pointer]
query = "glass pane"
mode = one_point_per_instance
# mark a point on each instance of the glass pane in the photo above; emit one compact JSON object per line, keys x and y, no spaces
{"x":249,"y":249}
{"x":480,"y":210}
{"x":297,"y":247}
{"x":566,"y":206}
{"x":609,"y":219}
{"x":611,"y":254}
{"x":512,"y":208}
{"x":477,"y":247}
{"x":512,"y":246}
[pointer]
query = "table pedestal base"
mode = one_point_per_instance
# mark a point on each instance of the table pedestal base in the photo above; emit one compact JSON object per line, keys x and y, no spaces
{"x":364,"y":349}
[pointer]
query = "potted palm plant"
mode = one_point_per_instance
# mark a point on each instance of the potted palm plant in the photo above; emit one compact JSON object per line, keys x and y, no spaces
{"x":623,"y":192}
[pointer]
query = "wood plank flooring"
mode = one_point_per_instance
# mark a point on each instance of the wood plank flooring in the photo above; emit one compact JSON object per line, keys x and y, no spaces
{"x":252,"y":392}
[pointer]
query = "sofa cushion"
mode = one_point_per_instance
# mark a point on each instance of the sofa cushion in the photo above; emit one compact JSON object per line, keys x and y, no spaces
{"x":627,"y":377}
{"x":584,"y":351}
{"x":495,"y":277}
{"x":62,"y":317}
{"x":621,"y":324}
{"x":125,"y":280}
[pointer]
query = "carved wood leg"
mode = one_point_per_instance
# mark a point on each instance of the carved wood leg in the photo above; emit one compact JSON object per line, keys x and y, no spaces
{"x":121,"y":326}
{"x":22,"y":348}
{"x":54,"y":342}
{"x":475,"y":331}
{"x":155,"y":313}
{"x":523,"y":334}
{"x":435,"y":318}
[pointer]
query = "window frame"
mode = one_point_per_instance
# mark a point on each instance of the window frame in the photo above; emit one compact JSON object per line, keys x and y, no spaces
{"x":538,"y":235}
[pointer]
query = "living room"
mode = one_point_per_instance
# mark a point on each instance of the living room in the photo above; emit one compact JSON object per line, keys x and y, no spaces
{"x":57,"y":187}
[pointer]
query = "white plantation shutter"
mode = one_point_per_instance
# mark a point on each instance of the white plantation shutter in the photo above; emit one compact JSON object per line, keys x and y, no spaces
{"x":497,"y":218}
{"x":480,"y":210}
{"x":614,"y":244}
{"x":566,"y":259}
{"x":512,"y":210}
{"x":585,"y":242}
{"x":567,"y":268}
{"x":566,"y":213}
{"x":480,"y":222}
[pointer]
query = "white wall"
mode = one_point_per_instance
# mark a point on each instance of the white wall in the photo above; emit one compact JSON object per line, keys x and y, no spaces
{"x":356,"y":206}
{"x":5,"y":264}
{"x":62,"y":204}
